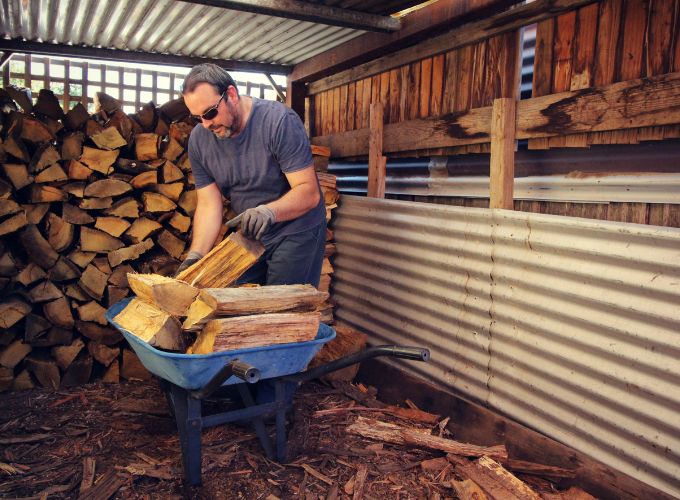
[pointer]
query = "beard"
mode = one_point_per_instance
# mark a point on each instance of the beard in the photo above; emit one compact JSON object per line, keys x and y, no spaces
{"x":226,"y":131}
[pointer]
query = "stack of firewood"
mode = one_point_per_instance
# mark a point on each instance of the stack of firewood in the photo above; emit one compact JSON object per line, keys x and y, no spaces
{"x":84,"y":200}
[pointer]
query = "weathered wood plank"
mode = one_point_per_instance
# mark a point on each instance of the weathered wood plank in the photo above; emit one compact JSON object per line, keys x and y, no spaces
{"x":376,"y":165}
{"x":502,"y":153}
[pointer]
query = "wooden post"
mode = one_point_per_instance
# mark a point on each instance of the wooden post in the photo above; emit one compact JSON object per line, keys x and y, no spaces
{"x":377,"y":163}
{"x":295,"y":97}
{"x":502,"y":153}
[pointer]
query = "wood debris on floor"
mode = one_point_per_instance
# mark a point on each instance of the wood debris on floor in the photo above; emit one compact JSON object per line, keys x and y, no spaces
{"x":120,"y":441}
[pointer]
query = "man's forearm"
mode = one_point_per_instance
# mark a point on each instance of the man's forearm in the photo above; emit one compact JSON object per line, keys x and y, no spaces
{"x":296,"y":202}
{"x":206,"y":227}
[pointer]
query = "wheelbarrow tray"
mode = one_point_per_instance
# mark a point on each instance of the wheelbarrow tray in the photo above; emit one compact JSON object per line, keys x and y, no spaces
{"x":193,"y":371}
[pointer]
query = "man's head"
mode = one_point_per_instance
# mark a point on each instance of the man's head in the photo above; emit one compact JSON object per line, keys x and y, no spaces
{"x":211,"y":95}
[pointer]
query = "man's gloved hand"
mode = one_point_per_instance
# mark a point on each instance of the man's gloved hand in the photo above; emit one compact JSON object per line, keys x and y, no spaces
{"x":191,"y":259}
{"x":257,"y":220}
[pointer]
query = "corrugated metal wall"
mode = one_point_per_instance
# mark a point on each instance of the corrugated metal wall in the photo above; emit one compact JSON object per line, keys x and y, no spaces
{"x":570,"y":326}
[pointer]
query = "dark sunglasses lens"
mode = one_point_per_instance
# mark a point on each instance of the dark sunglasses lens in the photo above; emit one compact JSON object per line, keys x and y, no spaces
{"x":210,"y":114}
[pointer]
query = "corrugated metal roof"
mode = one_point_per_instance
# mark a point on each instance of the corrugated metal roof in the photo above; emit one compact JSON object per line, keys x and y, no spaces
{"x":180,"y":28}
{"x":570,"y":326}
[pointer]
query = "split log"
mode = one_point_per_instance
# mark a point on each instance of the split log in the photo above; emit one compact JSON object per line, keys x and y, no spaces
{"x":171,"y":244}
{"x":187,"y":202}
{"x":77,"y":171}
{"x":44,"y":156}
{"x":396,"y":434}
{"x":170,"y":295}
{"x":213,"y":302}
{"x":223,"y":264}
{"x":141,"y":229}
{"x":93,"y":240}
{"x":15,"y":146}
{"x":14,"y":353}
{"x":132,"y":368}
{"x":64,"y":355}
{"x":129,"y":253}
{"x":347,"y":341}
{"x":81,"y":259}
{"x":60,"y":233}
{"x":92,"y":127}
{"x":17,"y":173}
{"x":107,"y":187}
{"x":170,"y":148}
{"x":28,"y":275}
{"x":74,"y":215}
{"x":171,"y":173}
{"x":44,"y":292}
{"x":44,"y":370}
{"x":58,"y":313}
{"x":35,"y":211}
{"x":115,"y":294}
{"x":171,"y":191}
{"x":35,"y":328}
{"x":64,"y":270}
{"x":140,"y":181}
{"x":23,"y":381}
{"x":8,"y":266}
{"x":243,"y":332}
{"x":13,"y":223}
{"x":146,"y":146}
{"x":72,"y":146}
{"x":115,"y":226}
{"x":105,"y":102}
{"x":99,"y":159}
{"x":53,"y":173}
{"x":109,"y":138}
{"x":119,"y":276}
{"x":92,"y":311}
{"x":112,"y":374}
{"x":76,"y":117}
{"x":155,"y":203}
{"x":76,"y":189}
{"x":125,"y":207}
{"x":93,"y":282}
{"x":495,"y":480}
{"x":79,"y":372}
{"x":150,"y":324}
{"x":180,"y":222}
{"x":47,"y":104}
{"x":37,"y":247}
{"x":96,"y":204}
{"x":47,"y":194}
{"x":103,"y":354}
{"x":73,"y":291}
{"x":22,"y":96}
{"x":107,"y":335}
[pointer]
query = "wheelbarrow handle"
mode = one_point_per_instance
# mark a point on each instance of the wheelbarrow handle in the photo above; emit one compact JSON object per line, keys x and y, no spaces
{"x":394,"y":351}
{"x":237,"y":368}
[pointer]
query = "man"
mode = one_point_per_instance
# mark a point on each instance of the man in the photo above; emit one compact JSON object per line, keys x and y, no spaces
{"x":257,"y":154}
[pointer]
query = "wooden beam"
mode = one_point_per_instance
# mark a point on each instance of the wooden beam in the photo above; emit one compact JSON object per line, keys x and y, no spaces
{"x":276,"y":88}
{"x":646,"y":102}
{"x":377,"y":163}
{"x":57,"y":49}
{"x":429,"y":21}
{"x":307,"y":11}
{"x":502,"y":153}
{"x":467,"y":34}
{"x":296,"y":92}
{"x":6,"y":56}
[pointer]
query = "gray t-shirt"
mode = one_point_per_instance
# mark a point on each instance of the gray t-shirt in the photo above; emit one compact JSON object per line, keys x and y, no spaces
{"x":249,"y":168}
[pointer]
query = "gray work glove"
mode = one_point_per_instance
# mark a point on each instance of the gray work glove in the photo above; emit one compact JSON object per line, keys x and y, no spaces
{"x":256,"y":221}
{"x":191,"y":259}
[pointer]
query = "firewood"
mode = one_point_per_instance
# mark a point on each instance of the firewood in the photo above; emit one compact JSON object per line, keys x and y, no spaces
{"x":72,"y":146}
{"x":92,"y":127}
{"x":93,"y":282}
{"x":43,"y":157}
{"x":170,"y":295}
{"x":13,"y":223}
{"x":171,"y":173}
{"x":58,"y":312}
{"x":105,"y":102}
{"x":6,"y":378}
{"x":105,"y":334}
{"x":125,"y":207}
{"x":392,"y":433}
{"x":110,"y":138}
{"x":77,"y":171}
{"x":184,"y":163}
{"x":37,"y":247}
{"x":170,"y":148}
{"x":347,"y":341}
{"x":22,"y":96}
{"x":129,"y":253}
{"x":495,"y":480}
{"x":63,"y":270}
{"x":119,"y":276}
{"x":13,"y":310}
{"x":140,"y":181}
{"x":146,"y":146}
{"x":132,"y":368}
{"x":125,"y":126}
{"x":187,"y":202}
{"x":213,"y":302}
{"x":147,"y":117}
{"x":102,"y":263}
{"x":171,"y":244}
{"x":324,"y":283}
{"x":15,"y":147}
{"x":103,"y":354}
{"x":93,"y":240}
{"x":81,"y":259}
{"x":99,"y":159}
{"x":9,"y":207}
{"x":115,"y":226}
{"x":64,"y":355}
{"x":44,"y":292}
{"x":180,"y":131}
{"x":35,"y":211}
{"x":223,"y":264}
{"x":30,"y":274}
{"x":48,"y":105}
{"x":23,"y":381}
{"x":115,"y":294}
{"x":162,"y":129}
{"x":171,"y":191}
{"x":92,"y":311}
{"x":5,"y":190}
{"x":8,"y":266}
{"x":242,"y":332}
{"x":14,"y":353}
{"x":180,"y":222}
{"x":107,"y":187}
{"x":155,"y":203}
{"x":44,"y":370}
{"x":74,"y":215}
{"x":73,"y":291}
{"x":79,"y":372}
{"x":60,"y":233}
{"x":112,"y":374}
{"x":53,"y":173}
{"x":76,"y":117}
{"x":46,"y":194}
{"x":35,"y":327}
{"x":35,"y":131}
{"x":76,"y":189}
{"x":141,"y":229}
{"x":17,"y":173}
{"x":468,"y":490}
{"x":97,"y":204}
{"x":150,"y":324}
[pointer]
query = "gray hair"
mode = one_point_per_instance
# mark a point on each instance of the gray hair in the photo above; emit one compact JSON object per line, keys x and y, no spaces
{"x":211,"y":74}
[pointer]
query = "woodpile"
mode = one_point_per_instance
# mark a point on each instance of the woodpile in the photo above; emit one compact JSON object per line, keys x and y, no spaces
{"x":84,"y":200}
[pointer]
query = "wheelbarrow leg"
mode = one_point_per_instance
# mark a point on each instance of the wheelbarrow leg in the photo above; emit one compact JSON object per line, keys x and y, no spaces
{"x":280,"y":392}
{"x":189,"y":423}
{"x":258,"y":422}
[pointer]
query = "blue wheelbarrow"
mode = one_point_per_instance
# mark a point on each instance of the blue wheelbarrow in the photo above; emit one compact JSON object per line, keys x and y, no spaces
{"x":273,"y":372}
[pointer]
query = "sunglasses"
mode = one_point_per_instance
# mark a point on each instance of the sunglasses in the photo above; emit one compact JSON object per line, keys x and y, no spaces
{"x":210,"y":113}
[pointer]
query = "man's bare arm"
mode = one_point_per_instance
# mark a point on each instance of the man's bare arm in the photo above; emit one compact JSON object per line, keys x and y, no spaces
{"x":207,"y":219}
{"x":302,"y":197}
